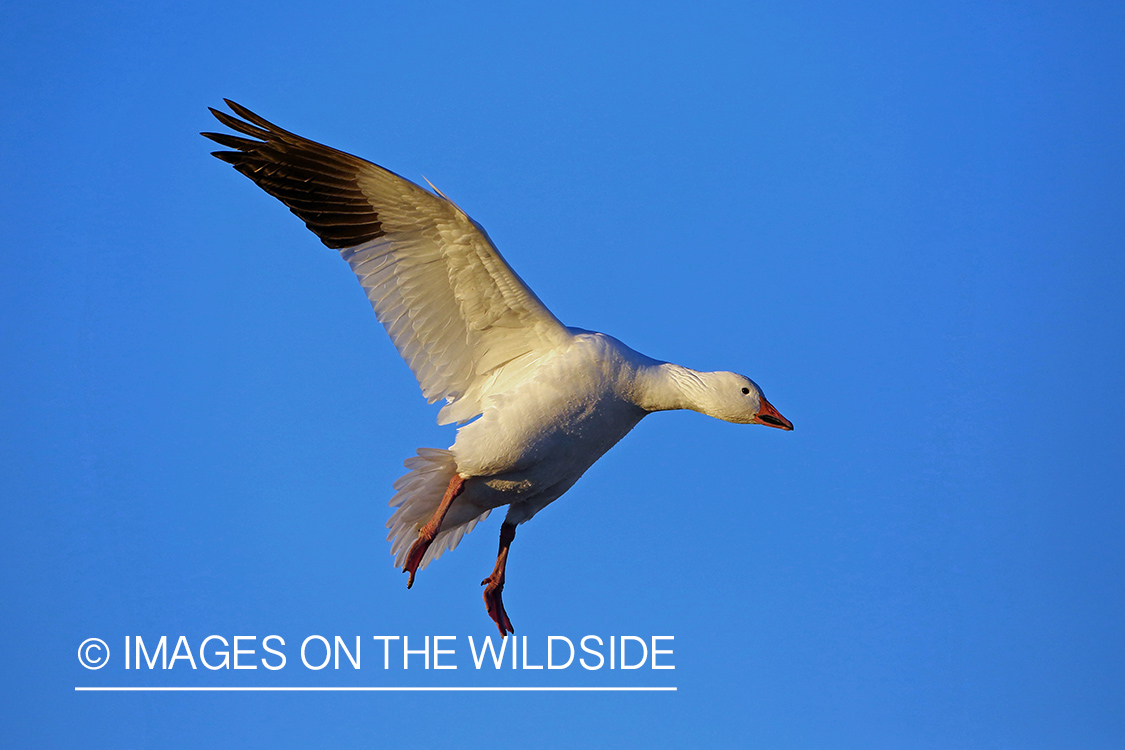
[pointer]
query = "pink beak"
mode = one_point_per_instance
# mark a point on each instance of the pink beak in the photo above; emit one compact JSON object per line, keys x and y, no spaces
{"x":771,"y":417}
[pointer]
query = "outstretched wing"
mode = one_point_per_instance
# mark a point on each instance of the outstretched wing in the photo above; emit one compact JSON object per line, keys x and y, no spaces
{"x":462,"y":319}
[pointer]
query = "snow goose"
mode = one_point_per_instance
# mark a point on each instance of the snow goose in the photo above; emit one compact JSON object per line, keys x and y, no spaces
{"x":537,"y":402}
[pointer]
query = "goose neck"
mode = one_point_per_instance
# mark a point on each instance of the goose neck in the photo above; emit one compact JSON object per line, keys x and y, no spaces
{"x":667,"y":386}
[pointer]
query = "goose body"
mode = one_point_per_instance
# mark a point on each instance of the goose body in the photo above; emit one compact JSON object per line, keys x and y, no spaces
{"x":542,"y":402}
{"x":535,"y":440}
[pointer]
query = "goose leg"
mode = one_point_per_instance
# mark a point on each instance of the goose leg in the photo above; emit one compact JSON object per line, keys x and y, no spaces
{"x":494,"y":584}
{"x":427,"y":533}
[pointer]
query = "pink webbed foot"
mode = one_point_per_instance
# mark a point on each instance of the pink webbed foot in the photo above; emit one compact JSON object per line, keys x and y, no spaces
{"x":415,"y":555}
{"x":428,"y":533}
{"x":494,"y":584}
{"x":495,"y":604}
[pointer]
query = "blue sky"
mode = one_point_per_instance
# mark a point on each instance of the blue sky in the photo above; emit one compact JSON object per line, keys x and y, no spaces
{"x":904,"y":222}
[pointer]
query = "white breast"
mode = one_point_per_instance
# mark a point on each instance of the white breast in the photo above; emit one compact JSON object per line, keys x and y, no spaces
{"x":549,"y":429}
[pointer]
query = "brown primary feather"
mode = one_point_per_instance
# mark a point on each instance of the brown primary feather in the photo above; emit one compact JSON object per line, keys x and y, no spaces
{"x":317,"y":183}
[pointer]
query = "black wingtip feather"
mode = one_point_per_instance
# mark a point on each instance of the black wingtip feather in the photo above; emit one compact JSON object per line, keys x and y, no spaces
{"x":317,"y":183}
{"x":258,"y":120}
{"x":232,"y":141}
{"x":230,"y":157}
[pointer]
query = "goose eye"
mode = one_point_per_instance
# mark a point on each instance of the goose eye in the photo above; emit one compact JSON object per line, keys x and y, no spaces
{"x":745,"y":391}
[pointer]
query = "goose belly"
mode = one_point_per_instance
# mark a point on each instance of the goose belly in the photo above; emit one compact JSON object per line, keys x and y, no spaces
{"x":539,"y":438}
{"x":542,"y":451}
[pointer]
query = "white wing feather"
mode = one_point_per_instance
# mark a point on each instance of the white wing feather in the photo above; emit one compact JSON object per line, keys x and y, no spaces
{"x":462,"y":319}
{"x":456,"y":311}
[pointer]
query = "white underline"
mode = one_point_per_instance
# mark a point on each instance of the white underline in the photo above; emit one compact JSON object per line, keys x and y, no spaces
{"x":380,"y":689}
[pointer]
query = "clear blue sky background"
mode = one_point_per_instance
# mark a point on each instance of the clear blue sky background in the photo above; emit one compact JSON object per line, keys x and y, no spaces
{"x":904,"y":221}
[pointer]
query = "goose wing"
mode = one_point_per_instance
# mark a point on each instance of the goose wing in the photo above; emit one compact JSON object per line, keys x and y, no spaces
{"x":462,"y":319}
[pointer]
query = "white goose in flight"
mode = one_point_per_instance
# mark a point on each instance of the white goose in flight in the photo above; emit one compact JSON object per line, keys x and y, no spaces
{"x":550,"y":399}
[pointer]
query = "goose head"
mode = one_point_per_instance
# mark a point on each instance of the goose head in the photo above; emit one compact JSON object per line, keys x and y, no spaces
{"x":723,"y":395}
{"x":736,"y":398}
